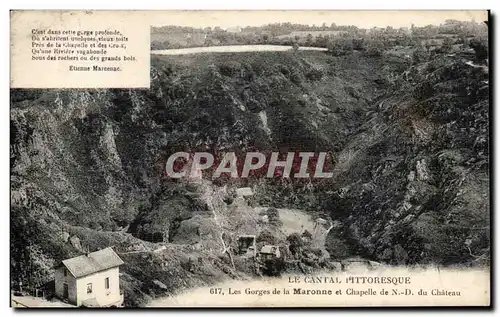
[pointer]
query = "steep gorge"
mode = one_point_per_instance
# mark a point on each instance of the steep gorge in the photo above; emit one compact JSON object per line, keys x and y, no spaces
{"x":409,"y":142}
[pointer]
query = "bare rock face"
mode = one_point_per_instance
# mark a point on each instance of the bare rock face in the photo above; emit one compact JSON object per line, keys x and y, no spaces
{"x":411,"y":176}
{"x":413,"y":208}
{"x":423,"y":172}
{"x":64,"y":236}
{"x":75,"y":242}
{"x":89,"y":160}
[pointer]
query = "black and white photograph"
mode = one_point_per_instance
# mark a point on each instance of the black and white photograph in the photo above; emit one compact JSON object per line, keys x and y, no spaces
{"x":275,"y":159}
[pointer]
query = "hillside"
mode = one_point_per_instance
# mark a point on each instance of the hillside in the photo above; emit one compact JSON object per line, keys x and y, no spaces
{"x":409,"y":141}
{"x":414,"y":180}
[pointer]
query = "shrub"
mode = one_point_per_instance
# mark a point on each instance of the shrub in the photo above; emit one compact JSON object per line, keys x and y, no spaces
{"x":295,"y":243}
{"x":447,"y":45}
{"x":229,"y":69}
{"x":336,"y":247}
{"x":340,"y":46}
{"x":480,"y":46}
{"x":374,"y":48}
{"x":307,"y":234}
{"x":420,"y":55}
{"x":314,"y":74}
{"x":266,"y":237}
{"x":358,"y":44}
{"x":273,"y":267}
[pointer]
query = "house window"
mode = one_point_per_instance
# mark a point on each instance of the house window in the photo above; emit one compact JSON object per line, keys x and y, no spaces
{"x":106,"y":282}
{"x":89,"y":288}
{"x":65,"y":272}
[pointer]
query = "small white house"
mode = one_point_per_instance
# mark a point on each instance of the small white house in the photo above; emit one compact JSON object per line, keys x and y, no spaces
{"x":269,"y":252}
{"x":244,"y":192}
{"x":90,"y":280}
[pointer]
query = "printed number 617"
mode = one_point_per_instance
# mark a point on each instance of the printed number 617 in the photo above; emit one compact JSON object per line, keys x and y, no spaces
{"x":216,"y":291}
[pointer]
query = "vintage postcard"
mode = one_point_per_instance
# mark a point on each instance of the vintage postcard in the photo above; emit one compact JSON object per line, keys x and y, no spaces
{"x":250,"y":159}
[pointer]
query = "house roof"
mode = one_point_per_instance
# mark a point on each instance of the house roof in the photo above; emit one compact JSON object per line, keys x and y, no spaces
{"x":244,"y":191}
{"x":101,"y":260}
{"x":269,"y":249}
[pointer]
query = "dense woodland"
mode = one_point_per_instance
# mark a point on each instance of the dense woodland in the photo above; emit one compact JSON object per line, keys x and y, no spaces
{"x":332,"y":37}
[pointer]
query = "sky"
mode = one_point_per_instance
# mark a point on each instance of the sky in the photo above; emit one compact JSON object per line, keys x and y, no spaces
{"x":362,"y":19}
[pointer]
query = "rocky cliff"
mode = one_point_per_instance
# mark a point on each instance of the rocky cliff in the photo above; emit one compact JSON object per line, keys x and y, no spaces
{"x":409,"y":141}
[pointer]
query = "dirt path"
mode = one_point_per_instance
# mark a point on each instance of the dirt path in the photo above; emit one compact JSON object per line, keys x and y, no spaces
{"x":233,"y":49}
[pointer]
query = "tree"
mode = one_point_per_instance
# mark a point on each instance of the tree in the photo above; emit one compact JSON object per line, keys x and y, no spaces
{"x":295,"y":243}
{"x":465,"y":42}
{"x":480,"y":47}
{"x":309,"y":40}
{"x":306,"y":234}
{"x":336,"y":247}
{"x":273,"y":267}
{"x":374,"y":47}
{"x":420,"y":54}
{"x":358,"y":44}
{"x":208,"y":42}
{"x":428,"y":46}
{"x":447,"y":45}
{"x":321,"y":41}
